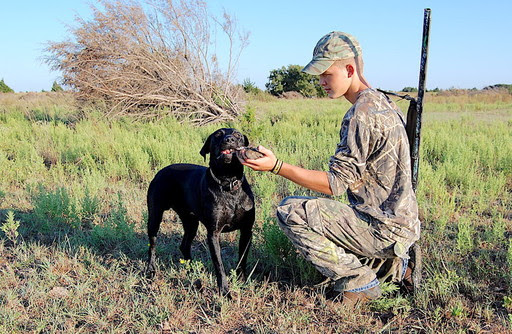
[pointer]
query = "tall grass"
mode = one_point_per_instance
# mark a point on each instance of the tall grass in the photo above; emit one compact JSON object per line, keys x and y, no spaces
{"x":75,"y":185}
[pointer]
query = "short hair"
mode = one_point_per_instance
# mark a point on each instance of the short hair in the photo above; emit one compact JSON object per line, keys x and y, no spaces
{"x":357,"y":62}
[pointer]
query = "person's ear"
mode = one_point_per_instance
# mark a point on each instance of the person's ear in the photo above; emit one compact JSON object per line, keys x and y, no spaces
{"x":350,"y":70}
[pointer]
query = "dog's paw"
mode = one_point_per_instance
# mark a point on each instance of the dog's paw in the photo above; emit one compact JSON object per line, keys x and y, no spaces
{"x":227,"y":295}
{"x":241,"y":275}
{"x":150,"y":271}
{"x":198,"y":285}
{"x":224,"y":291}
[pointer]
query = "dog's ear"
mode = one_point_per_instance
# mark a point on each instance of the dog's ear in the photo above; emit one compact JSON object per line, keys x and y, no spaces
{"x":206,"y":147}
{"x":246,"y":141}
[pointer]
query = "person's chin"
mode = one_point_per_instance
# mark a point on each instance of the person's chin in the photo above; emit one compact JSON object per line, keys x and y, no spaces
{"x":332,"y":95}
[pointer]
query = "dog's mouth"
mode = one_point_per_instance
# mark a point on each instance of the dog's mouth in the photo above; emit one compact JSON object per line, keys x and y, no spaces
{"x":227,"y":151}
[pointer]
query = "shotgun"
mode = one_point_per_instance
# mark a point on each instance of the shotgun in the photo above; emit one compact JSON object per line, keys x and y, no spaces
{"x":413,"y":129}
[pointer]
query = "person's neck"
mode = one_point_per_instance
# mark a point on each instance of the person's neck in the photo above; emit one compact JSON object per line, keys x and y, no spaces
{"x":354,"y":90}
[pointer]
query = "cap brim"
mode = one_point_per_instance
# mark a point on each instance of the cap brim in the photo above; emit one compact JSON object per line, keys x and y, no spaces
{"x":317,"y":67}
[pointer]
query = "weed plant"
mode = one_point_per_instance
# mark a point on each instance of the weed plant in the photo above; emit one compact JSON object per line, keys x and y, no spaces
{"x":76,"y":185}
{"x":10,"y":227}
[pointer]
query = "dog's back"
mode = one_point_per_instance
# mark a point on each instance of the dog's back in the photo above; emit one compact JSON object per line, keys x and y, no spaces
{"x":171,"y":188}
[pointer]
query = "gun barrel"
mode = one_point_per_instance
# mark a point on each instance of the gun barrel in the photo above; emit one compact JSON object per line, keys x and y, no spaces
{"x":416,"y":107}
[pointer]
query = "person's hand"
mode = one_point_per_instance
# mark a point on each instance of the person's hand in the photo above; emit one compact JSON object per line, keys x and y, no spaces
{"x":262,"y":164}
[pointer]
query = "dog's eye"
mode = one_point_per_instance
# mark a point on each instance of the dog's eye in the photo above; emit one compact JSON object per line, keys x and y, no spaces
{"x":218,"y":134}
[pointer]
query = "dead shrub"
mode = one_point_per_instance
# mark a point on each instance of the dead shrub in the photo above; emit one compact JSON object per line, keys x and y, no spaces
{"x":153,"y":59}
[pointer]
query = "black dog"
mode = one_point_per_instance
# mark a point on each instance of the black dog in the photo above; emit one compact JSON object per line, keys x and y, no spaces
{"x":219,"y":196}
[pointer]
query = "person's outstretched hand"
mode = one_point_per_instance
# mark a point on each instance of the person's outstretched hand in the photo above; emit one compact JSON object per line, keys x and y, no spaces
{"x":262,"y":164}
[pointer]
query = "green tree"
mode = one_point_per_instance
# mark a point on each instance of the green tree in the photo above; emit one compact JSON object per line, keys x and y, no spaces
{"x":409,"y":89}
{"x":500,"y":86}
{"x":4,"y":88}
{"x":56,"y":87}
{"x":250,"y":87}
{"x":292,"y":78}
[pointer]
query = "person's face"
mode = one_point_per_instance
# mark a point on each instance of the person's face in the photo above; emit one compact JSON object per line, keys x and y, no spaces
{"x":336,"y":80}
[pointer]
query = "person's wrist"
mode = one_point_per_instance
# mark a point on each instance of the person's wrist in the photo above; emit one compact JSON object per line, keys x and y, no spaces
{"x":277,"y":167}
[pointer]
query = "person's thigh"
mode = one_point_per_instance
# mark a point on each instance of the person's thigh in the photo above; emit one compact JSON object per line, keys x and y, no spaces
{"x":339,"y":223}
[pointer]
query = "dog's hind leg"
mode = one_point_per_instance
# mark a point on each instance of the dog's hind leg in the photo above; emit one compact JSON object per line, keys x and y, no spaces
{"x":214,"y":245}
{"x":190,"y":225}
{"x":154,"y":219}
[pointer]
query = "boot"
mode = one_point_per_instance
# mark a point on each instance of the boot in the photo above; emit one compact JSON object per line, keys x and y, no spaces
{"x":407,"y":284}
{"x":353,"y":299}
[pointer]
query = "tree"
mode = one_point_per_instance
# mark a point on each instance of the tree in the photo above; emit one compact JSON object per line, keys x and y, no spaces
{"x":145,"y":60}
{"x":500,"y":86}
{"x":4,"y":88}
{"x":56,"y":87}
{"x":292,"y":78}
{"x":409,"y":89}
{"x":250,"y":87}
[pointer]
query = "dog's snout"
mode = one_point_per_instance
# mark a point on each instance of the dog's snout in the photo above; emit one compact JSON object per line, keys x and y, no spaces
{"x":230,"y":139}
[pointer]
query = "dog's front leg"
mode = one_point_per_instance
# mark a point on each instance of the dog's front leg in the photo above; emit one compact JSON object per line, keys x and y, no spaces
{"x":214,"y":244}
{"x":243,"y":250}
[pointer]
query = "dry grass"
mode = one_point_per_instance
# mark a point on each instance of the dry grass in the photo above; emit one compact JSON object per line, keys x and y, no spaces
{"x":77,"y":185}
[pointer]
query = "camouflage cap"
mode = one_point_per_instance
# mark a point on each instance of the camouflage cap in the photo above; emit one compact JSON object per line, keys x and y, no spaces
{"x":334,"y":46}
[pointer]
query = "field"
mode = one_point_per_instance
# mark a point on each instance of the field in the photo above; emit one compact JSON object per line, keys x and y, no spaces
{"x":72,"y":217}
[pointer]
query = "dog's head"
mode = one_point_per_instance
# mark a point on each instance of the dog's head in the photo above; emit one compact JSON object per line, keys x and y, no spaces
{"x":222,"y":145}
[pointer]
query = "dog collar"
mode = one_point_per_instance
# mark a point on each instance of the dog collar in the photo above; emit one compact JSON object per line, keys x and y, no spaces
{"x":229,"y":186}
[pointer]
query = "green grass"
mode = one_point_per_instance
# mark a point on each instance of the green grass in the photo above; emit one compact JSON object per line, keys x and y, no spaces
{"x":72,"y":216}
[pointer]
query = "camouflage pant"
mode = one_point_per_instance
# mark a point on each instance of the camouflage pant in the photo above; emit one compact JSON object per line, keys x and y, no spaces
{"x":335,"y":240}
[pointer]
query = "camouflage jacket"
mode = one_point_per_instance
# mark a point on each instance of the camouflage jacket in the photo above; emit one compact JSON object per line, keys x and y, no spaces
{"x":372,"y":163}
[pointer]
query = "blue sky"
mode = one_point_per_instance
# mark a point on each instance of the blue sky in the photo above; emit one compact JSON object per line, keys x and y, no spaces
{"x":470,"y":41}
